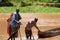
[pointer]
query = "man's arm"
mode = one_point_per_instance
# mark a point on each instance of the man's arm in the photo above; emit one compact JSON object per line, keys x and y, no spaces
{"x":19,"y":16}
{"x":37,"y":28}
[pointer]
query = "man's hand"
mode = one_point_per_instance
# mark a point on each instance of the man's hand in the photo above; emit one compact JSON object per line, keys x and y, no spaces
{"x":39,"y":31}
{"x":17,"y":21}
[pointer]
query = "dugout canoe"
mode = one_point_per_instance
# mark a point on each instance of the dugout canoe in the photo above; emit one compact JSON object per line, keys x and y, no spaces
{"x":49,"y":33}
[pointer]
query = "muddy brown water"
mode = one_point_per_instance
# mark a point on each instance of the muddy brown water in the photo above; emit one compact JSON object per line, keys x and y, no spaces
{"x":45,"y":22}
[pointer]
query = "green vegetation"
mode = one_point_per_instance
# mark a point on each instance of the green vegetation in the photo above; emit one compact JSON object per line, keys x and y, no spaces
{"x":28,"y":2}
{"x":30,"y":6}
{"x":30,"y":9}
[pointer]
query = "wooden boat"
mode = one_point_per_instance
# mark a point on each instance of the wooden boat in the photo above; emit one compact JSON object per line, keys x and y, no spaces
{"x":49,"y":33}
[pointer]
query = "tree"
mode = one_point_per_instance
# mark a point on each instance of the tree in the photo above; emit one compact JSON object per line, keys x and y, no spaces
{"x":58,"y":1}
{"x":4,"y":0}
{"x":5,"y":3}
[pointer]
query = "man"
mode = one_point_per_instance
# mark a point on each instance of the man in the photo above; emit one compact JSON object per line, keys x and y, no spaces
{"x":29,"y":26}
{"x":9,"y":28}
{"x":15,"y":24}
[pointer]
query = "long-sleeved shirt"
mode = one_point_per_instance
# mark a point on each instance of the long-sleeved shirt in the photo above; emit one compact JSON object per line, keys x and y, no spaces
{"x":15,"y":17}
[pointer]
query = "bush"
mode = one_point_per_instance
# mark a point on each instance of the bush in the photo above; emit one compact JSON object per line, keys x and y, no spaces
{"x":6,"y":4}
{"x":57,"y":5}
{"x":23,"y":4}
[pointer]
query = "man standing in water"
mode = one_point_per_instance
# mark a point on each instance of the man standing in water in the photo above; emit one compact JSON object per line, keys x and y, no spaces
{"x":15,"y":24}
{"x":28,"y":28}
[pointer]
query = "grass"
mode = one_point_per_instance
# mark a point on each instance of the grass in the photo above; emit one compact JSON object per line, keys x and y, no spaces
{"x":30,"y":9}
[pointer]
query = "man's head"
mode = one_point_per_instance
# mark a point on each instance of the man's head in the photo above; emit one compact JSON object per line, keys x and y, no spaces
{"x":17,"y":10}
{"x":35,"y":19}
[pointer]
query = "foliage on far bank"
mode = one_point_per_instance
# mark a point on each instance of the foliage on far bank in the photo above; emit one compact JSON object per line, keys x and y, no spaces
{"x":24,"y":3}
